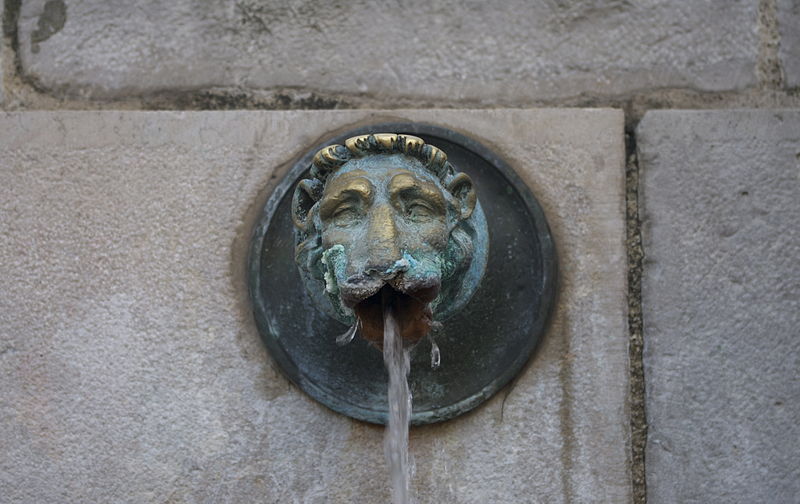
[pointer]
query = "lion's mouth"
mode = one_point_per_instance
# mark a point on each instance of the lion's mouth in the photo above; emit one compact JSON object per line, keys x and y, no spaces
{"x":411,"y":309}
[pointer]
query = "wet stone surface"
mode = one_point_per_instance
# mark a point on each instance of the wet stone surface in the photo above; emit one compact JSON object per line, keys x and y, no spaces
{"x":132,"y":370}
{"x":721,"y":297}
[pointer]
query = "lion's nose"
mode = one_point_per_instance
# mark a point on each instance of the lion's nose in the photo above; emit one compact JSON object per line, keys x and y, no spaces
{"x":382,"y":239}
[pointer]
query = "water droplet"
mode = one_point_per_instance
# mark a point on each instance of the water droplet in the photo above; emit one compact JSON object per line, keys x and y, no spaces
{"x":436,"y":355}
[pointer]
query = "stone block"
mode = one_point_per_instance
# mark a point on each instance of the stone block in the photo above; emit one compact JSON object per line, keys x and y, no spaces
{"x":721,"y":298}
{"x":131,"y":367}
{"x":484,"y":52}
{"x":789,"y":49}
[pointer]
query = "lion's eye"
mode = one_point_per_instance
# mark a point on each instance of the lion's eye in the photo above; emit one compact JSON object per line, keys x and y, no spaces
{"x":419,"y":212}
{"x":346,"y":216}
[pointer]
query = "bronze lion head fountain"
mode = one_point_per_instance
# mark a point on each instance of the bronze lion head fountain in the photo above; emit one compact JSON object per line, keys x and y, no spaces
{"x":385,"y":218}
{"x":426,"y":222}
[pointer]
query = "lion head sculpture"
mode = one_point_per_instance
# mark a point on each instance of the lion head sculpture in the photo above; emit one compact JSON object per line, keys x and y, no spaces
{"x":386,"y":219}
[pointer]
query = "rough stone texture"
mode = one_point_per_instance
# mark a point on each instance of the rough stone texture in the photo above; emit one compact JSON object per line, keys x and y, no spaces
{"x":789,"y":49}
{"x":131,"y":367}
{"x":498,"y":52}
{"x":721,"y":298}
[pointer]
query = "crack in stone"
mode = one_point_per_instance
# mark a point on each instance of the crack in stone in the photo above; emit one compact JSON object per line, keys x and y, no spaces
{"x":638,"y":419}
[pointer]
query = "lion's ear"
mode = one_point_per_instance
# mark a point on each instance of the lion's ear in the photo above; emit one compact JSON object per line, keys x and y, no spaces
{"x":306,"y":195}
{"x":461,"y":187}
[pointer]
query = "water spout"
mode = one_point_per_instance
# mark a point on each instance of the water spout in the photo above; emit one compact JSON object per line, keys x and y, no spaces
{"x":396,"y":358}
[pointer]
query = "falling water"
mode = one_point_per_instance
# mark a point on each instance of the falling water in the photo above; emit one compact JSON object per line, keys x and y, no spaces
{"x":395,"y":444}
{"x":347,"y":337}
{"x":436,"y":355}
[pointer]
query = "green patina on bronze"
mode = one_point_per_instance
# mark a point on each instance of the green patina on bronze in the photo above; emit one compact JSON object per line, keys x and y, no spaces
{"x":387,"y":212}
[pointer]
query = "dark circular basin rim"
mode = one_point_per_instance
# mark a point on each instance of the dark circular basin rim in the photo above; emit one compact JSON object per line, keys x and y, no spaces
{"x":549,"y":275}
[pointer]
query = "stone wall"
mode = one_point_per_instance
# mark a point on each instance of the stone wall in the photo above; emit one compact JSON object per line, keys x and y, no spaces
{"x":712,"y":365}
{"x":721,"y":296}
{"x":417,"y":54}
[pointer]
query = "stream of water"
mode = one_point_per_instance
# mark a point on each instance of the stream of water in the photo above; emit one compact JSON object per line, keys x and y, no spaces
{"x":395,"y":444}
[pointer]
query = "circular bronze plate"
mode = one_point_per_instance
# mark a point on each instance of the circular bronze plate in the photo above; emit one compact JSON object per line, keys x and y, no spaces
{"x":482,"y":347}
